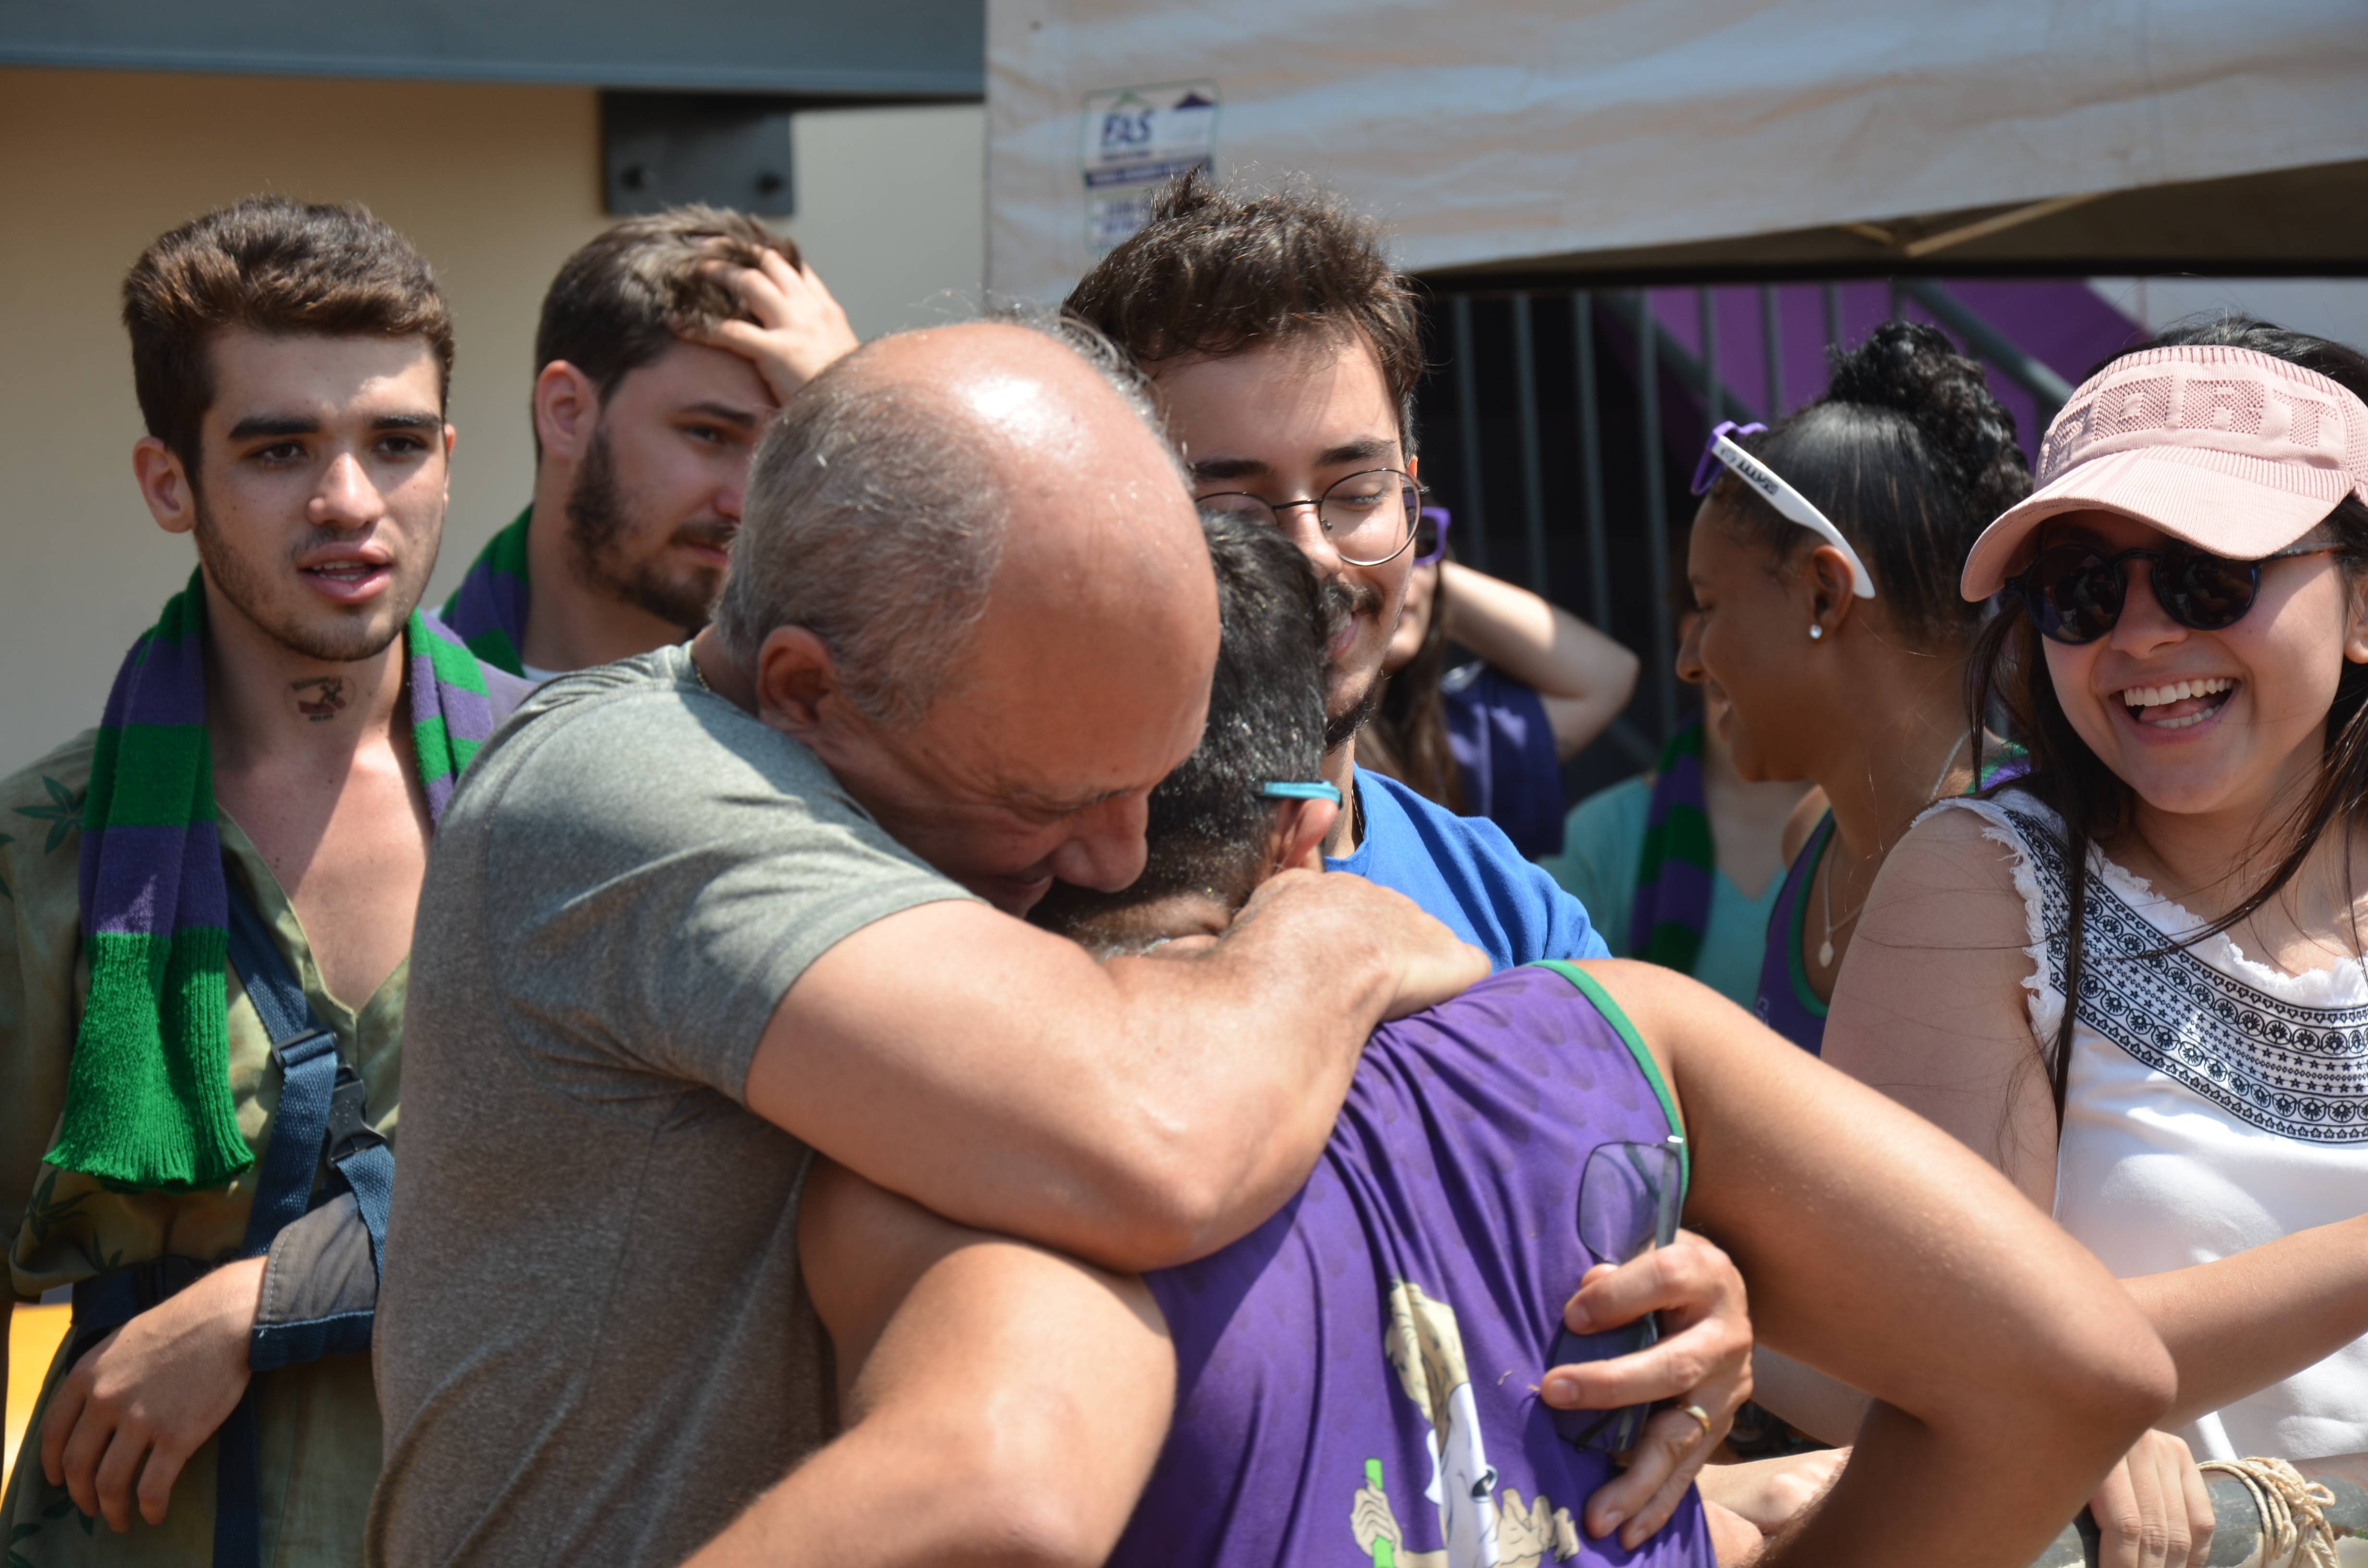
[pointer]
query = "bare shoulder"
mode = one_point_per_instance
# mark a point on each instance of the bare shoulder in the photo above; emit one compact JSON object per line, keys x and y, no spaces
{"x":1953,"y":853}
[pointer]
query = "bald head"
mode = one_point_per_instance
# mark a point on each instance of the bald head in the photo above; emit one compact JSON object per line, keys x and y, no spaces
{"x":889,"y":492}
{"x":987,"y":533}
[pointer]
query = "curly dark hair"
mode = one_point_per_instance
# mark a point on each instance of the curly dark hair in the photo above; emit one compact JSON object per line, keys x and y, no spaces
{"x":1217,"y":271}
{"x":1911,"y":457}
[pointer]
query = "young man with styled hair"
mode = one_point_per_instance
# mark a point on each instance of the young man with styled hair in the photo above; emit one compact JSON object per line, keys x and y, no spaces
{"x":225,"y":887}
{"x":1285,"y":351}
{"x":665,"y":349}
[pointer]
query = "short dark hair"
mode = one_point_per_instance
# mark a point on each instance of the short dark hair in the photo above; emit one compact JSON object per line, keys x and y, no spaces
{"x":1208,"y":822}
{"x":273,"y":266}
{"x":1214,"y":272}
{"x":619,"y":302}
{"x":1911,"y":457}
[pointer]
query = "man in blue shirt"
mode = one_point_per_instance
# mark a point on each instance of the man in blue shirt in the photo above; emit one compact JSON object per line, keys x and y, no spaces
{"x":1285,"y":349}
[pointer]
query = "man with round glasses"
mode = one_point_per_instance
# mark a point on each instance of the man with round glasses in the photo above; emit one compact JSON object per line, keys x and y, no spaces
{"x":1285,"y":351}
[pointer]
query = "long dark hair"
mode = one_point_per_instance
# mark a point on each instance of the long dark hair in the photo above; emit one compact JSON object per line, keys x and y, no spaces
{"x":1406,"y":737}
{"x":1910,"y":457}
{"x":2008,"y":677}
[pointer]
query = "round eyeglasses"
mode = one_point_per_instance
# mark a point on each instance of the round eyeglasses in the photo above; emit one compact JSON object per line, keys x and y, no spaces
{"x":1369,"y":518}
{"x":2074,"y":594}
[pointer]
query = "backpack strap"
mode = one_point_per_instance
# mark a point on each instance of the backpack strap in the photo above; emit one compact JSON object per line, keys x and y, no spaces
{"x":323,"y":1104}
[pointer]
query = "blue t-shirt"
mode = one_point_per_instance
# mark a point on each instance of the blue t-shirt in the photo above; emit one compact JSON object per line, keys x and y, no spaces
{"x":1465,"y":873}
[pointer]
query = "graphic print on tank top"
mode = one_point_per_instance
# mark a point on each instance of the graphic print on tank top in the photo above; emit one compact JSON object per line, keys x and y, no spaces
{"x":1356,"y":1378}
{"x":1424,"y":1348}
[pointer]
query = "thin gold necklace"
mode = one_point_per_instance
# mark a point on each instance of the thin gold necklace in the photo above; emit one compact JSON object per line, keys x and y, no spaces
{"x":1825,"y":947}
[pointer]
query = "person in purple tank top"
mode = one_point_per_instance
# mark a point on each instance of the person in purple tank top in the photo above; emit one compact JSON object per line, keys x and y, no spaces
{"x":1358,"y":1381}
{"x":1822,"y":561}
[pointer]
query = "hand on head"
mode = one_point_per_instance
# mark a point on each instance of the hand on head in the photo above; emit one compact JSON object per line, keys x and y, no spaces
{"x":798,"y":331}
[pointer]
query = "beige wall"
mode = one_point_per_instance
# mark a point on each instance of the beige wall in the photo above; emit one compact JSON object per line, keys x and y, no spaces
{"x":495,"y":184}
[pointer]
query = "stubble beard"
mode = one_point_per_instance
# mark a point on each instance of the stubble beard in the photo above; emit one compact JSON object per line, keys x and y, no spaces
{"x":1342,"y":602}
{"x":341,"y":637}
{"x":597,"y":525}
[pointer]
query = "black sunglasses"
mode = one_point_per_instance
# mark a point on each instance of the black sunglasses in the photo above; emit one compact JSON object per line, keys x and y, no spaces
{"x":2074,"y":594}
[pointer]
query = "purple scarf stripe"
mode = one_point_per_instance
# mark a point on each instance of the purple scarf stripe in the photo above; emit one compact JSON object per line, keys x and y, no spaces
{"x":491,"y":597}
{"x":169,"y":687}
{"x":1680,"y":885}
{"x":153,"y":882}
{"x":1685,"y":784}
{"x":439,"y":795}
{"x":468,"y":715}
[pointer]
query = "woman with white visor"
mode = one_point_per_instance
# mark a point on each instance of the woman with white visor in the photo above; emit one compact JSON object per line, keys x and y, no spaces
{"x":1825,"y":562}
{"x":2185,"y":623}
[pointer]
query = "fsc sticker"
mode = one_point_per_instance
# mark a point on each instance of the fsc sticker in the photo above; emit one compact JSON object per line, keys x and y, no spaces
{"x":1137,"y":139}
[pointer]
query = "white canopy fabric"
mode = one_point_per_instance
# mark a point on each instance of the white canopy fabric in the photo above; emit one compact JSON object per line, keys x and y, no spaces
{"x":1492,"y":130}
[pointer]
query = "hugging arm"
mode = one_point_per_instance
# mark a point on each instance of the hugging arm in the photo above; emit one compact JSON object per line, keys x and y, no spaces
{"x":2010,"y":1370}
{"x":1004,"y":1404}
{"x":1704,"y":1359}
{"x":1139,"y":1113}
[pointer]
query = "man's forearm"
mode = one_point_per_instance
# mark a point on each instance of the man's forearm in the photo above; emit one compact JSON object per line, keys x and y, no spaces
{"x":1913,"y":1493}
{"x":1138,"y":1114}
{"x":1007,"y":1403}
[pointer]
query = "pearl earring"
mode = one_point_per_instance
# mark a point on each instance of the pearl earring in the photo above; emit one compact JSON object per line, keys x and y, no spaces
{"x":1815,"y":631}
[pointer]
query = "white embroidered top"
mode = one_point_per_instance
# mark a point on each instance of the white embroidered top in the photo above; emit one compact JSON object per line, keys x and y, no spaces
{"x":2213,"y":1104}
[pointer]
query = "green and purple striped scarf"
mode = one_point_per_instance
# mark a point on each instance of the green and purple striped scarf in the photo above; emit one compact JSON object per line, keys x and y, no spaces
{"x":1671,"y":914}
{"x":148,"y":1099}
{"x":489,"y":608}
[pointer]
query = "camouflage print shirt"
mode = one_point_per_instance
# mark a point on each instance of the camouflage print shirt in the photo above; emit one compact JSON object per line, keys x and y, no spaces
{"x":317,"y":1422}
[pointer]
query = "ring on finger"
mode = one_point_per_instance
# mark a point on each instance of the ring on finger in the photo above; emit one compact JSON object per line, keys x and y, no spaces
{"x":1699,"y":1413}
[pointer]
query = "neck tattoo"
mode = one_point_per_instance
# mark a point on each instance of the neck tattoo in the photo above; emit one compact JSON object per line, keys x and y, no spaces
{"x":320,"y":698}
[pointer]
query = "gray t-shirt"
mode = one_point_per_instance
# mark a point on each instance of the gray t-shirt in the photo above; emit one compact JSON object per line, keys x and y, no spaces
{"x":593,"y":1344}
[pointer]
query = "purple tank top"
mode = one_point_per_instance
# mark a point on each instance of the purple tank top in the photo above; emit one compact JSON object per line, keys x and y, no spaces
{"x":1786,"y":1003}
{"x":1356,"y":1377}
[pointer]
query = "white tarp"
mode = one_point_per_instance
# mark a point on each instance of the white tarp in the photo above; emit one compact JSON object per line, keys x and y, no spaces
{"x":1499,"y":129}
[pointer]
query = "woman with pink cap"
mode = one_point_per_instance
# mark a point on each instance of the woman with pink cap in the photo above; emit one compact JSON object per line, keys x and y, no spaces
{"x":2135,"y":977}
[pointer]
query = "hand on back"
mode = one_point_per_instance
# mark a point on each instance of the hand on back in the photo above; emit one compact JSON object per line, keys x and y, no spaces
{"x":1426,"y":963}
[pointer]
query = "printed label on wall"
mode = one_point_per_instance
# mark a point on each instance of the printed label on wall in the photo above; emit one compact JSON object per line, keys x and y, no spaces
{"x":1137,"y":139}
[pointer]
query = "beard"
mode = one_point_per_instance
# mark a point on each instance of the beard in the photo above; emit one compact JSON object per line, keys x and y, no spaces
{"x":1341,"y":603}
{"x":293,"y":619}
{"x":598,"y":525}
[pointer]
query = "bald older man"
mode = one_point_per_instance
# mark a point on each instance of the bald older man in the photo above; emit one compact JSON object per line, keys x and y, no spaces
{"x":700,"y":914}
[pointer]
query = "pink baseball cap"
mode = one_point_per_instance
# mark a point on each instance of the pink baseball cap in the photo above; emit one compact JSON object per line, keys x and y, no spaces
{"x":2235,"y":451}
